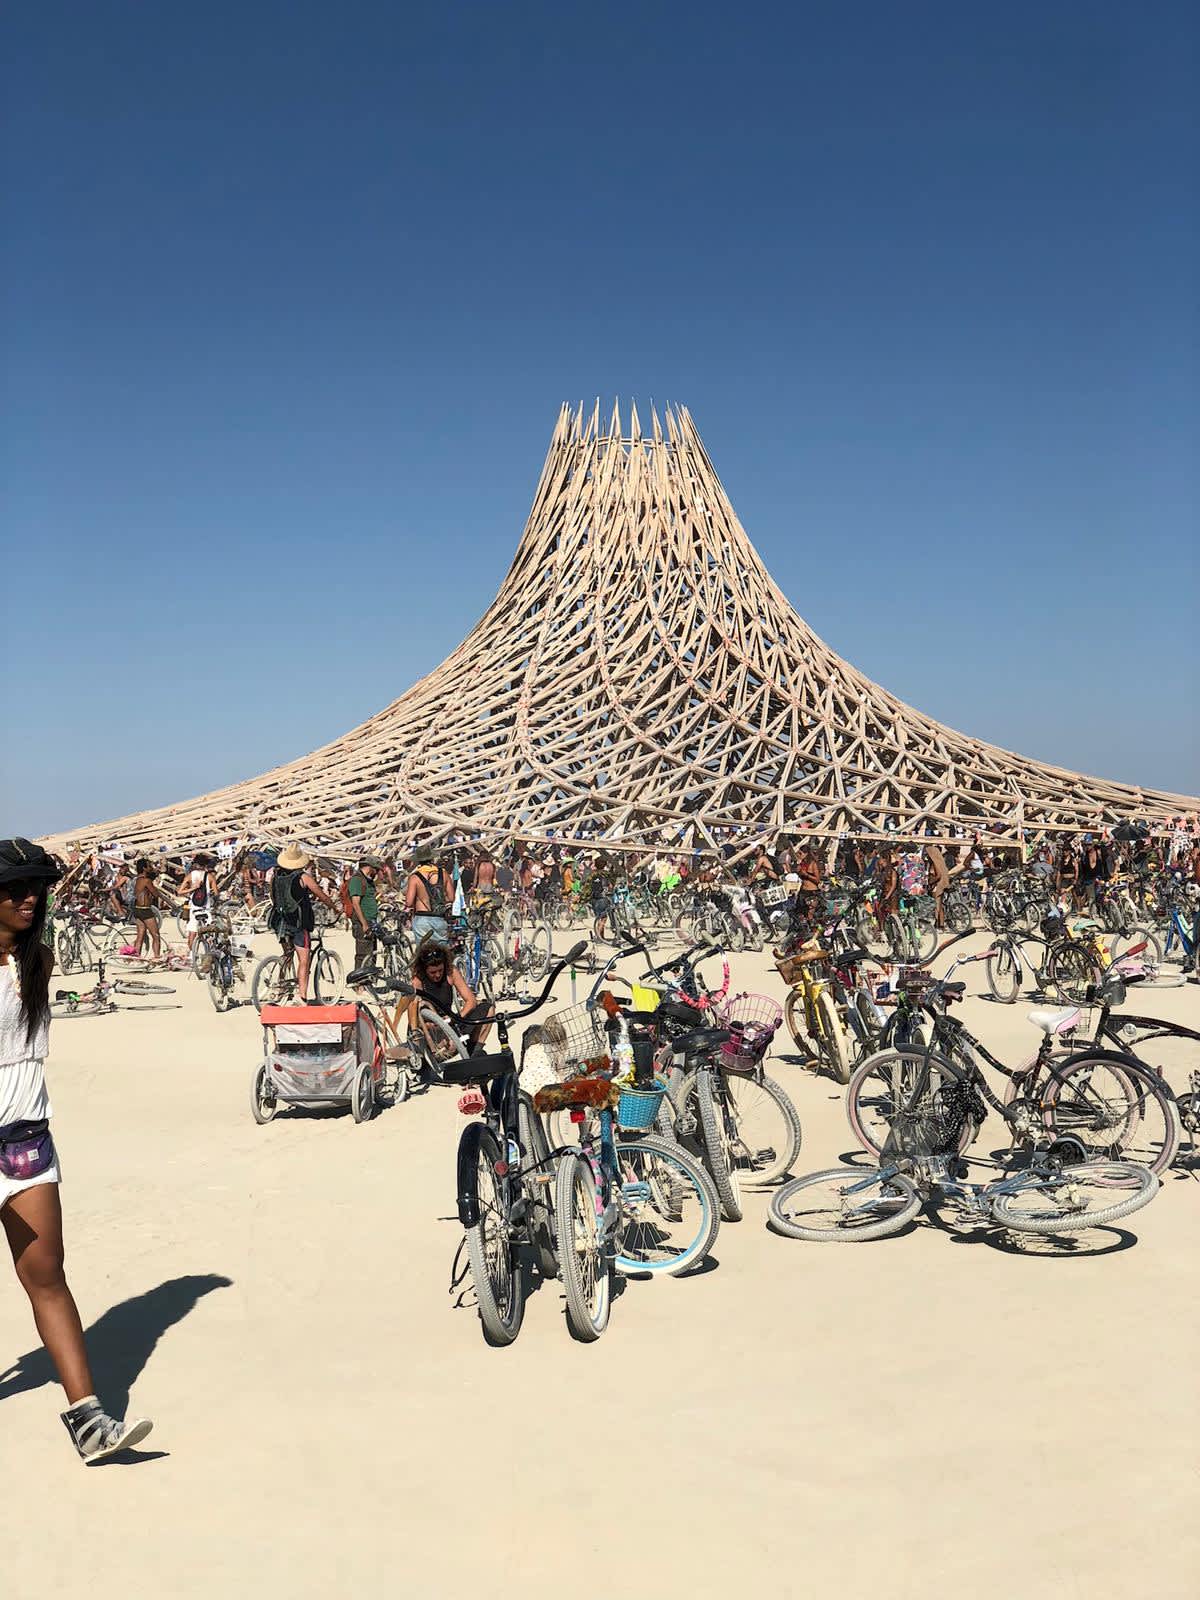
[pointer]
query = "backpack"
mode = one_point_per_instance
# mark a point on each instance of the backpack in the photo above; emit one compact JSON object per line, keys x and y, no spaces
{"x":347,"y":903}
{"x":433,"y":888}
{"x":286,"y":915}
{"x":199,"y":895}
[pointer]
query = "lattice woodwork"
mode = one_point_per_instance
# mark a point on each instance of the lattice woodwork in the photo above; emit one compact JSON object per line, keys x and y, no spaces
{"x":639,"y":679}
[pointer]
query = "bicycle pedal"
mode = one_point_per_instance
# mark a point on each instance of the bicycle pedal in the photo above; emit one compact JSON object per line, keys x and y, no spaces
{"x":636,"y":1192}
{"x":544,"y":1178}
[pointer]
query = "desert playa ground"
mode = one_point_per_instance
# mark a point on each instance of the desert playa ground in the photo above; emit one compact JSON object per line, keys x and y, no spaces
{"x":944,"y":1411}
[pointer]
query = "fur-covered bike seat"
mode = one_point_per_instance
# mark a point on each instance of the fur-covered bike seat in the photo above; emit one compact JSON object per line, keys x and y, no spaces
{"x":578,"y":1094}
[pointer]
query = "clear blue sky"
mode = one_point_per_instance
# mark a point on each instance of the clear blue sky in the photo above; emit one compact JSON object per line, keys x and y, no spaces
{"x":291,"y":294}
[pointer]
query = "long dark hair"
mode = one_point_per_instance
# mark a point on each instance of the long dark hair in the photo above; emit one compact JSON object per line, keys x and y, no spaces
{"x":33,"y":970}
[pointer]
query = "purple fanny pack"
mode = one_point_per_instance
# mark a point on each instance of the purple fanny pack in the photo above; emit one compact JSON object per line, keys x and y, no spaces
{"x":26,"y":1150}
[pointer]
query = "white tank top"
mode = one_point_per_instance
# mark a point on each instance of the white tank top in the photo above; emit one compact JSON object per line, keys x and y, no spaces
{"x":23,"y":1096}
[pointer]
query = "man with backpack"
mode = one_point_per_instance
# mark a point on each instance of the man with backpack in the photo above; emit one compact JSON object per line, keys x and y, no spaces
{"x":427,"y":899}
{"x":200,"y":887}
{"x":292,"y":919}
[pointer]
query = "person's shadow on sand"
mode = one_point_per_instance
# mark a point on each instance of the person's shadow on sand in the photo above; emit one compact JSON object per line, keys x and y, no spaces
{"x":120,"y":1342}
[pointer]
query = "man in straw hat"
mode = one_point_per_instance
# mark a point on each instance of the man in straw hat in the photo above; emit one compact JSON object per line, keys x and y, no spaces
{"x":292,"y":919}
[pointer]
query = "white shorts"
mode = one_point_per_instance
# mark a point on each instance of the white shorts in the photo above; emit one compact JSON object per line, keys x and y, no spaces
{"x":11,"y":1186}
{"x":198,"y":917}
{"x":24,"y":1098}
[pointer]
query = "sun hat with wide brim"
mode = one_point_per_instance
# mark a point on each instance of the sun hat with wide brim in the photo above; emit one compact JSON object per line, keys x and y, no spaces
{"x":21,"y":861}
{"x":370,"y":861}
{"x":293,"y":856}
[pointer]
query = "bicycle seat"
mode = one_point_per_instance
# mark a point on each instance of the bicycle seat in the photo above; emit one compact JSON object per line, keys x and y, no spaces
{"x":1062,"y":1021}
{"x":811,"y":955}
{"x":851,"y":958}
{"x":477,"y":1069}
{"x":954,"y":991}
{"x":673,"y":1011}
{"x":577,"y":1094}
{"x":700,"y":1041}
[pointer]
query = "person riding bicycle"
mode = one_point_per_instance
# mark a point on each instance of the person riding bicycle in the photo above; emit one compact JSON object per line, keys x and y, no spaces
{"x":435,"y":975}
{"x":199,"y":886}
{"x":292,"y":918}
{"x":428,"y":898}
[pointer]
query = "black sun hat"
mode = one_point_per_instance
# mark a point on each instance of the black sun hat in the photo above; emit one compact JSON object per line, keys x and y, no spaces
{"x":20,"y":860}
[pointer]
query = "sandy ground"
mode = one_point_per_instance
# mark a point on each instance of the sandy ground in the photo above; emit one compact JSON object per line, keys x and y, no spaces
{"x":937,"y":1411}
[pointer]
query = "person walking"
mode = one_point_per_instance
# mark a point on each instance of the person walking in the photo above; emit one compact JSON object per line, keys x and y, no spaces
{"x":147,"y":897}
{"x":30,"y":1206}
{"x":427,"y":899}
{"x":364,"y":910}
{"x":939,"y":880}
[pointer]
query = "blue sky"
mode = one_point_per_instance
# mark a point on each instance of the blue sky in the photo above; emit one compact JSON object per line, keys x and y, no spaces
{"x":291,"y":293}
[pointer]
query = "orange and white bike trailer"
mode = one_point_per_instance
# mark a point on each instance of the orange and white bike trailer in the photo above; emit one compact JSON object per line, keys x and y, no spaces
{"x":317,"y":1055}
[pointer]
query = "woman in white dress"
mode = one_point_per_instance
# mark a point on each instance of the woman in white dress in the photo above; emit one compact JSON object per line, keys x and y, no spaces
{"x":29,"y":1201}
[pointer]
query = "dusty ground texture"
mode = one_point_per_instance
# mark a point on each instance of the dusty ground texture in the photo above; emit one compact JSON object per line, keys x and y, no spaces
{"x":941,"y":1411}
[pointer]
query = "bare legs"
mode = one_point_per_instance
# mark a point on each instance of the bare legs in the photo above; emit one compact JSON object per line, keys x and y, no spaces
{"x":33,"y":1224}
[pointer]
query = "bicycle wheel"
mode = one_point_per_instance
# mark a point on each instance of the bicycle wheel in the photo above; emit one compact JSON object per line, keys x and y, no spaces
{"x":844,"y":1206}
{"x":1122,"y":943}
{"x":923,"y":934}
{"x":218,"y":992}
{"x":767,"y":1133}
{"x":538,"y":1175}
{"x":1072,"y":971}
{"x":262,"y":1100}
{"x":1086,"y":1195}
{"x":1003,"y":973}
{"x":793,"y":1016}
{"x":898,"y":1087}
{"x":538,"y":943}
{"x":670,"y":1213}
{"x":272,"y":980}
{"x":362,"y":1096}
{"x":137,"y":986}
{"x":895,"y":937}
{"x":835,"y":1045}
{"x":586,"y":1271}
{"x":328,"y":975}
{"x":958,"y":916}
{"x":1115,"y":1107}
{"x":716,"y":1138}
{"x":499,"y":1288}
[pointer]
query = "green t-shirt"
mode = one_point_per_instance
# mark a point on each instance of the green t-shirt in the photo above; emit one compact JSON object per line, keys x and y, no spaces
{"x":363,"y":889}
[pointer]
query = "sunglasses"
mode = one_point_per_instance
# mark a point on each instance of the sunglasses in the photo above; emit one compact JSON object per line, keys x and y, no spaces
{"x":22,"y":888}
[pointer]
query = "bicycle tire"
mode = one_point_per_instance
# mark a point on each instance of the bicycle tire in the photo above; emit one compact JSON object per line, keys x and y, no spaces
{"x":262,"y":1105}
{"x":793,"y":1016}
{"x":1122,"y":942}
{"x":137,"y":986}
{"x":1114,"y":1123}
{"x":715,"y":1143}
{"x":539,"y":1186}
{"x":769,"y":1131}
{"x":924,"y":935}
{"x":328,"y":976}
{"x":1003,"y":973}
{"x":835,"y":1046}
{"x":1072,"y":971}
{"x":495,"y":1271}
{"x":585,"y":1270}
{"x":879,"y":1089}
{"x":897,"y":1196}
{"x":688,"y":1185}
{"x":1072,"y":1214}
{"x":362,"y":1094}
{"x":269,"y":981}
